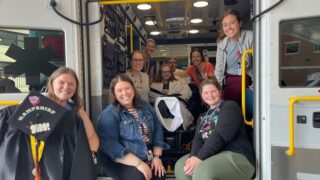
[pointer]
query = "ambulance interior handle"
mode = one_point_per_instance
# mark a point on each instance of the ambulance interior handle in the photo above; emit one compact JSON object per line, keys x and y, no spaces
{"x":293,"y":100}
{"x":243,"y":86}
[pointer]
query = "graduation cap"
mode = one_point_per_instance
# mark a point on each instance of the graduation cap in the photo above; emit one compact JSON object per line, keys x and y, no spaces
{"x":37,"y":115}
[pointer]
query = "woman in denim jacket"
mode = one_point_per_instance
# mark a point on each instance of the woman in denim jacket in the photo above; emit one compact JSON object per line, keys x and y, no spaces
{"x":131,"y":134}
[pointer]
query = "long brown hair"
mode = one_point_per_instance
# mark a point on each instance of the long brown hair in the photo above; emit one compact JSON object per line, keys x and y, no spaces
{"x":199,"y":51}
{"x":75,"y":98}
{"x":235,"y":13}
{"x":160,"y":78}
{"x":136,"y":102}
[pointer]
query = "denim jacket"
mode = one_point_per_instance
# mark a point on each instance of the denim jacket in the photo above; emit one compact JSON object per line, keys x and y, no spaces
{"x":119,"y":132}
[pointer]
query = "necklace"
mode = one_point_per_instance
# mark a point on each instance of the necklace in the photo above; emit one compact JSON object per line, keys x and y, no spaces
{"x":209,"y":121}
{"x":137,"y":81}
{"x":210,"y":113}
{"x":201,"y":72}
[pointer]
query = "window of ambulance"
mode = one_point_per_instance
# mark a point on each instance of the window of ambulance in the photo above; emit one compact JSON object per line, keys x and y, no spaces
{"x":28,"y":57}
{"x":300,"y":53}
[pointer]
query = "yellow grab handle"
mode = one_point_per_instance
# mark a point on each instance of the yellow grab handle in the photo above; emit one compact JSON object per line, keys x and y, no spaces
{"x":106,"y":2}
{"x":243,"y":86}
{"x":292,"y":100}
{"x":9,"y":103}
{"x":131,"y":37}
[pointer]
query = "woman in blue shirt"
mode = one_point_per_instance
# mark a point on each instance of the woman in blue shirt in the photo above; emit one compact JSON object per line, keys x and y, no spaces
{"x":131,"y":134}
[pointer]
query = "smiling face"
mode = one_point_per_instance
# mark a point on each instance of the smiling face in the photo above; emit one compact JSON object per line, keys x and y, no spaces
{"x":231,"y":26}
{"x":166,"y":73}
{"x":173,"y":63}
{"x":137,"y":62}
{"x":196,"y":58}
{"x":211,"y":95}
{"x":150,"y":48}
{"x":124,"y":93}
{"x":64,"y":87}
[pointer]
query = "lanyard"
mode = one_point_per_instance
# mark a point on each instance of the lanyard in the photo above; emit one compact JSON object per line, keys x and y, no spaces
{"x":36,"y":155}
{"x":211,"y":113}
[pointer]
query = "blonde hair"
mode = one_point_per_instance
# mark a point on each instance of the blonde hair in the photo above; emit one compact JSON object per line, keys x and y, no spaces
{"x":151,"y":40}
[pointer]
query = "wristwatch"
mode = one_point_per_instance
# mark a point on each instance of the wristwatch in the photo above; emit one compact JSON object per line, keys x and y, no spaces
{"x":157,"y":156}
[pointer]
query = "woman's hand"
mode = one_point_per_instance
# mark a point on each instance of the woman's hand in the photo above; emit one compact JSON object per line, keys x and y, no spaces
{"x":145,"y":169}
{"x":157,"y":165}
{"x":191,"y":164}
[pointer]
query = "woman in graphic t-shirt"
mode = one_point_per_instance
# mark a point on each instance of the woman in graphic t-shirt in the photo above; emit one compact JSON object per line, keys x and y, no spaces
{"x":220,"y":147}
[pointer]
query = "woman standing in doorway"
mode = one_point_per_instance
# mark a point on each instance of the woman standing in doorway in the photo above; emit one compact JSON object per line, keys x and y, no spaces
{"x":231,"y":44}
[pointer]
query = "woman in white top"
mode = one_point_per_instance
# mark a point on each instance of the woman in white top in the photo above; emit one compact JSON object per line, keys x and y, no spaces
{"x":139,"y":78}
{"x":168,"y":85}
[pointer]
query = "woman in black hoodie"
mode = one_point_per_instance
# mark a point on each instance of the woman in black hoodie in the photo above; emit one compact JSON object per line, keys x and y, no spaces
{"x":220,"y":147}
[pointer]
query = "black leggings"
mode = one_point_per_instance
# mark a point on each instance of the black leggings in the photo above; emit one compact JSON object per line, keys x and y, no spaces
{"x":118,"y":171}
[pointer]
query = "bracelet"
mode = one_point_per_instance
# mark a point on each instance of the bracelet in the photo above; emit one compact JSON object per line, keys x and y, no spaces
{"x":157,"y":156}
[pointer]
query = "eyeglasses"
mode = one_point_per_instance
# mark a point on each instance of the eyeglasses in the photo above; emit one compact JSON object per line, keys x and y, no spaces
{"x":172,"y":62}
{"x":137,"y":60}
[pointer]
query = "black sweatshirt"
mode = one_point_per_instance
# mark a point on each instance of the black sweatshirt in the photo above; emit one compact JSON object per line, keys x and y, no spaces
{"x":227,"y":134}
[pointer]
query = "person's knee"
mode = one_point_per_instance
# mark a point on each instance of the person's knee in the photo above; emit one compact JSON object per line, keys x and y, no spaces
{"x":206,"y":173}
{"x":200,"y":173}
{"x":178,"y":167}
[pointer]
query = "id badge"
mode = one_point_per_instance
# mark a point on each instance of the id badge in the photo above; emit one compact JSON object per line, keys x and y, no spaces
{"x":149,"y":155}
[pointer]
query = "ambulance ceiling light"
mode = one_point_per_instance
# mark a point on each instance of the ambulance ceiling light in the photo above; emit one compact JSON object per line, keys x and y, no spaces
{"x":150,"y":22}
{"x":144,"y":7}
{"x":200,"y":4}
{"x":196,"y":20}
{"x":193,"y":31}
{"x":154,"y":33}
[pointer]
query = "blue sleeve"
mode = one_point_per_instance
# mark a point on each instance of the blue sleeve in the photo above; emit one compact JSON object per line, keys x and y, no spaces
{"x":108,"y":130}
{"x":157,"y":136}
